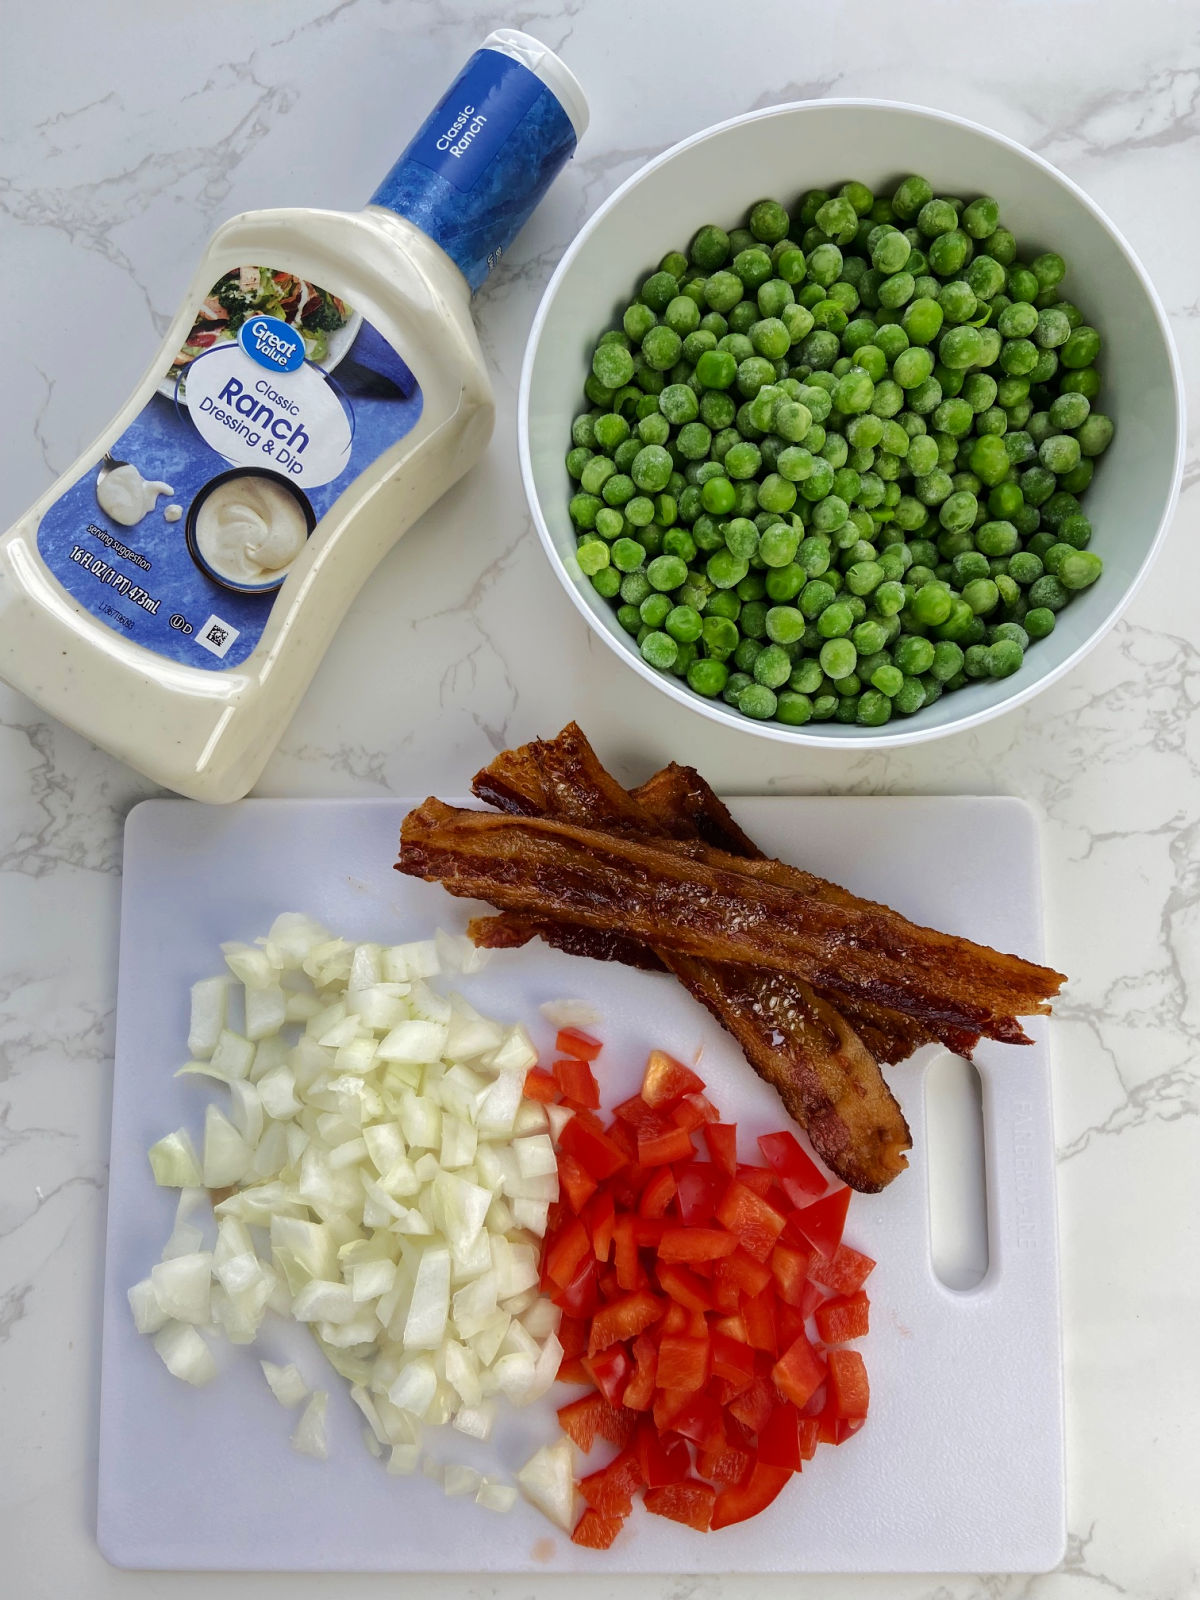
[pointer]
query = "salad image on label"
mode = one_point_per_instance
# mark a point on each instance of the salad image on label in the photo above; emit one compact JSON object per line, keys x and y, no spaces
{"x":314,"y":312}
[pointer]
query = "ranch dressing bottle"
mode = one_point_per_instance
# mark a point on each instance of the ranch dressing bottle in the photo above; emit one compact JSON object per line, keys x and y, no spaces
{"x":172,"y":594}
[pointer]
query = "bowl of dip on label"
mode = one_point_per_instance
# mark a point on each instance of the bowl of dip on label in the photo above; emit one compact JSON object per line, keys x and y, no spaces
{"x":246,"y":527}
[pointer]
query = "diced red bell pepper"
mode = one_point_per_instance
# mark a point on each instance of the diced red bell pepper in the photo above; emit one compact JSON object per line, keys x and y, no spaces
{"x":609,"y":1371}
{"x":822,"y":1222}
{"x":799,"y":1371}
{"x":790,"y":1323}
{"x":594,"y":1149}
{"x":540,"y":1085}
{"x":638,"y":1114}
{"x":577,"y":1082}
{"x":656,"y":1149}
{"x":812,"y":1297}
{"x":760,"y":1180}
{"x":610,"y":1491}
{"x":595,"y":1532}
{"x":699,"y":1420}
{"x":700,"y":1188}
{"x":843,"y":1319}
{"x":683,"y":1363}
{"x":572,"y":1370}
{"x":756,"y":1224}
{"x":581,"y":1296}
{"x":565,"y":1252}
{"x":739,"y":1277}
{"x":625,"y":1256}
{"x":662,"y":1460}
{"x":666,"y":1080}
{"x":807,"y":1430}
{"x":599,"y":1218}
{"x":845,"y":1272}
{"x":788,"y":1160}
{"x":789,"y":1268}
{"x":744,"y":1500}
{"x":690,"y":1502}
{"x":732,"y":1359}
{"x":622,"y":1135}
{"x":591,"y":1417}
{"x":576,"y":1182}
{"x":758,"y":1313}
{"x":639,"y":1391}
{"x":729,"y":1465}
{"x":572,"y":1335}
{"x":721,"y":1139}
{"x":624,"y":1319}
{"x":734,"y":1328}
{"x":668,"y":1403}
{"x":754,"y":1406}
{"x":574,"y":1042}
{"x":816,"y":1404}
{"x":848,"y":1387}
{"x":658,"y":1194}
{"x":695,"y":1244}
{"x":694,"y":1112}
{"x":684,"y":1287}
{"x":779,"y":1441}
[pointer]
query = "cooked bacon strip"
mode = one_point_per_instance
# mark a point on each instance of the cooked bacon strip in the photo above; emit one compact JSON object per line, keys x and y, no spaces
{"x":828,"y":1081}
{"x":703,"y":902}
{"x":563,"y":777}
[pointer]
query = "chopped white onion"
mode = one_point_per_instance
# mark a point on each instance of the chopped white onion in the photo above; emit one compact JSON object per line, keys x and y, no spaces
{"x":378,"y":1135}
{"x":570,"y":1013}
{"x":495,"y":1496}
{"x":309,"y":1438}
{"x":286,"y":1384}
{"x":547,"y":1480}
{"x":185,"y":1354}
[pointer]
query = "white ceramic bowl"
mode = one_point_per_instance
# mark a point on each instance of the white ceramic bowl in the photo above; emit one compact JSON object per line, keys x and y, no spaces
{"x":713,"y":177}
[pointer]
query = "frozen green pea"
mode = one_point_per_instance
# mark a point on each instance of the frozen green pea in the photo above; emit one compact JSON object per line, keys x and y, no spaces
{"x":1049,"y":592}
{"x":612,"y":365}
{"x":1059,"y":453}
{"x":756,"y":700}
{"x":1081,"y":348}
{"x":724,"y":569}
{"x":734,"y":684}
{"x":651,"y":468}
{"x":1039,"y":622}
{"x":716,"y":369}
{"x":707,"y":677}
{"x":1004,"y":657}
{"x":709,"y":248}
{"x":723,"y":290}
{"x":838,"y":658}
{"x":593,"y":555}
{"x":949,"y":252}
{"x":654,"y":610}
{"x":1079,"y":569}
{"x":660,"y":650}
{"x":661,"y":348}
{"x":1094,"y":434}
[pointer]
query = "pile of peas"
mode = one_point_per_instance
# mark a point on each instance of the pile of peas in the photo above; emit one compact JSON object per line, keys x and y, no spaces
{"x":833,"y":459}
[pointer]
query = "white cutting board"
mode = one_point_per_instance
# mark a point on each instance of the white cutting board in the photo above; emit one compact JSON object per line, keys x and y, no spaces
{"x":960,"y":1466}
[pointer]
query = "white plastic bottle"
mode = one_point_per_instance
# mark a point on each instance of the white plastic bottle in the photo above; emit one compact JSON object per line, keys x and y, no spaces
{"x":322,"y":385}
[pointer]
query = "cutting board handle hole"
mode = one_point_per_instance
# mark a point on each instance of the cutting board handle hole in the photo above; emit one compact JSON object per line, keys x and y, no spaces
{"x":958,"y":1230}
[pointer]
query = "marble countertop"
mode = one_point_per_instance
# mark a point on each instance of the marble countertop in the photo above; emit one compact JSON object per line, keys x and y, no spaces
{"x":129,"y":131}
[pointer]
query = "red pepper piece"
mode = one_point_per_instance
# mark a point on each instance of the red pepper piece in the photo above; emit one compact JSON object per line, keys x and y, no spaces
{"x":591,"y":1417}
{"x":574,"y":1042}
{"x":747,"y":1499}
{"x":690,"y":1502}
{"x":599,"y":1218}
{"x":662,"y":1461}
{"x":755,"y":1224}
{"x":699,"y":1419}
{"x":683,"y":1362}
{"x":779,"y":1441}
{"x":789,"y":1268}
{"x":684,"y":1287}
{"x":609,"y":1370}
{"x":729,"y":1465}
{"x":540,"y":1085}
{"x":658,"y":1194}
{"x":700,"y":1188}
{"x":639,"y":1391}
{"x":581,"y":1296}
{"x":758,"y":1313}
{"x":822,"y":1222}
{"x":799,"y":1371}
{"x":731,"y":1359}
{"x":848,"y":1318}
{"x":595,"y":1532}
{"x":594,"y":1149}
{"x":610,"y":1491}
{"x":788,"y":1160}
{"x":565,"y":1252}
{"x":666,"y":1080}
{"x":848,"y":1387}
{"x":844,"y":1272}
{"x":657,"y":1149}
{"x":577,"y":1082}
{"x":577,"y":1183}
{"x":721,"y":1139}
{"x":624,"y":1319}
{"x":695,"y":1244}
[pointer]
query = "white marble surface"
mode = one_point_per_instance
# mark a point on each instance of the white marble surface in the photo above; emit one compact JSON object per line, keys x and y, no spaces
{"x":131,"y":128}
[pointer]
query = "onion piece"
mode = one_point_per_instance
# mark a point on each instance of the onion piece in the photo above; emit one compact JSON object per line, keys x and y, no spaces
{"x":309,"y":1438}
{"x":570,"y":1013}
{"x":185,"y":1354}
{"x":286,"y":1384}
{"x":174,"y":1162}
{"x":547,"y":1480}
{"x":210,"y":999}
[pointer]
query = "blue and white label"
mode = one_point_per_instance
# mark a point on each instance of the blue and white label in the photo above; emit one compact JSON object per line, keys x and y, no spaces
{"x":272,"y":344}
{"x":181,"y":538}
{"x":481,"y":162}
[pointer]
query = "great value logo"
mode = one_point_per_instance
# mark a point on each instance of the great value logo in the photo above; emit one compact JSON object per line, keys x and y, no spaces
{"x":270,"y":342}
